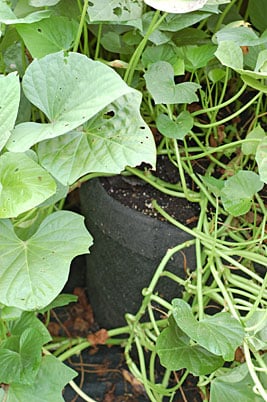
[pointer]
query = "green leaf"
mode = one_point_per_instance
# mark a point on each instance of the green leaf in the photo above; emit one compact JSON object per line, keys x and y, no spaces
{"x":257,"y":10}
{"x":33,"y":272}
{"x":175,"y":129}
{"x":250,"y":148}
{"x":177,"y":22}
{"x":198,"y":56}
{"x":236,"y":385}
{"x":114,"y":138}
{"x":9,"y":105}
{"x":254,"y":83}
{"x":112,"y":10}
{"x":230,"y":54}
{"x":23,"y":184}
{"x":213,"y":184}
{"x":176,"y":6}
{"x":43,"y":3}
{"x":261,"y":158}
{"x":8,"y":17}
{"x":176,"y":352}
{"x":239,"y":190}
{"x":241,"y":35}
{"x":61,"y":300}
{"x":49,"y":382}
{"x":257,"y":324}
{"x":49,"y":35}
{"x":29,"y":320}
{"x":221,"y":334}
{"x":69,"y":90}
{"x":160,"y":83}
{"x":20,"y":363}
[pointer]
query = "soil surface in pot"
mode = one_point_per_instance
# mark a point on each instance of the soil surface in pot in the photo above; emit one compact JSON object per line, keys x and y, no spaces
{"x":137,"y":194}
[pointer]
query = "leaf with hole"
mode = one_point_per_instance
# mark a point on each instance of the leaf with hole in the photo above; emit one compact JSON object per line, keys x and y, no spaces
{"x":48,"y":36}
{"x":114,"y":138}
{"x":34,"y":271}
{"x":112,"y":10}
{"x":69,"y":90}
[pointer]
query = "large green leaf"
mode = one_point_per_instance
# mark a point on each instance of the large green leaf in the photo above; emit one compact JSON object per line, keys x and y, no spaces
{"x":69,"y":89}
{"x":160,"y":83}
{"x":28,"y":319}
{"x":257,"y":11}
{"x":239,"y":190}
{"x":176,"y":352}
{"x":47,"y":387}
{"x":235,"y":385}
{"x":20,"y":360}
{"x":49,"y":35}
{"x":8,"y":17}
{"x":33,"y":272}
{"x":9,"y":105}
{"x":221,"y":334}
{"x":114,"y":138}
{"x":261,"y":158}
{"x":23,"y":184}
{"x":114,"y":10}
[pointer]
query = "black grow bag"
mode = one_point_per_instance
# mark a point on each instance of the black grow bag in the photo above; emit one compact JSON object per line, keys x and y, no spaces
{"x":128,"y":246}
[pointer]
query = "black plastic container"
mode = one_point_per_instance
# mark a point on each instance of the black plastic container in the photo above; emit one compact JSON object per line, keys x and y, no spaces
{"x":128,"y":246}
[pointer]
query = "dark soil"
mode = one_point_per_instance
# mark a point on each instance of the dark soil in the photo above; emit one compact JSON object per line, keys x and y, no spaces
{"x":137,"y":194}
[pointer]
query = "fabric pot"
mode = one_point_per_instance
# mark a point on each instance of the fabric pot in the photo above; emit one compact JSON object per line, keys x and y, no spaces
{"x":128,"y":246}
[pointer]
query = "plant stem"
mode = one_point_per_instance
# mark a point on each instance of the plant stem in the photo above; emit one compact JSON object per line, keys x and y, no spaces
{"x":80,"y":28}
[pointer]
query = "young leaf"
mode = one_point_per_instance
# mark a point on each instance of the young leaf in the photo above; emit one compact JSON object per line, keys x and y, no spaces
{"x":235,"y":385}
{"x":33,"y":272}
{"x":213,"y":184}
{"x":116,"y":137}
{"x":258,"y":335}
{"x":49,"y":35}
{"x":160,"y":83}
{"x":175,"y":129}
{"x":49,"y":382}
{"x":230,"y":54}
{"x":239,"y":190}
{"x":176,"y":352}
{"x":21,"y":359}
{"x":261,"y":158}
{"x":69,"y":90}
{"x":176,"y":6}
{"x":9,"y":105}
{"x":23,"y":184}
{"x":221,"y":334}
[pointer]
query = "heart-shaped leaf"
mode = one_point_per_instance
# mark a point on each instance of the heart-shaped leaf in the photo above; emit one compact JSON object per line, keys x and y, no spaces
{"x":23,"y":184}
{"x":160,"y":83}
{"x":250,"y":148}
{"x":34,"y":271}
{"x":9,"y":105}
{"x":176,"y":352}
{"x":221,"y":334}
{"x":175,"y":129}
{"x":239,"y":190}
{"x":49,"y":35}
{"x":114,"y":138}
{"x":69,"y":90}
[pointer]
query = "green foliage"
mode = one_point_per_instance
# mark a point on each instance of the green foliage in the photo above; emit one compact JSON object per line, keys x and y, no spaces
{"x":175,"y":129}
